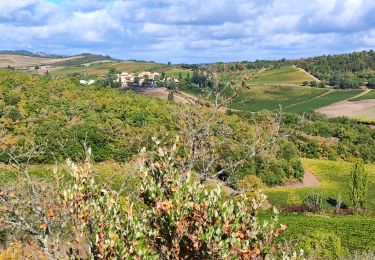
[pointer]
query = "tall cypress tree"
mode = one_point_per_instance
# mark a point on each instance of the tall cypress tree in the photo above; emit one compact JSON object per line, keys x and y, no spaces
{"x":358,"y":186}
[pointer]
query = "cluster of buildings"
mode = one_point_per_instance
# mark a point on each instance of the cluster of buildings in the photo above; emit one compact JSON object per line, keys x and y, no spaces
{"x":131,"y":79}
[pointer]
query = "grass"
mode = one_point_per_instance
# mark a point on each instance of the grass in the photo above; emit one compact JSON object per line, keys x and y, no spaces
{"x":369,"y":95}
{"x":258,"y":98}
{"x":285,"y":75}
{"x":326,"y":100}
{"x":175,"y":72}
{"x":112,"y":172}
{"x":357,"y":233}
{"x":334,"y":177}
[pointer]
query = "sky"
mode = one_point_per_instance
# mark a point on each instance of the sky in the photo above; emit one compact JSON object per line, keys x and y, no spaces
{"x":189,"y":31}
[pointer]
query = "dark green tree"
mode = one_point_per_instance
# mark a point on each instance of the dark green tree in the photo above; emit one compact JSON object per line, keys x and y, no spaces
{"x":358,"y":186}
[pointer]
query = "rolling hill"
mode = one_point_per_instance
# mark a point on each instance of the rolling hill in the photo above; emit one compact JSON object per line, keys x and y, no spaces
{"x":285,"y":75}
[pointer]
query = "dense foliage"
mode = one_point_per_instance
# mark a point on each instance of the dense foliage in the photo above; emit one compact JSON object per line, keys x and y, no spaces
{"x":344,"y":71}
{"x":179,"y":217}
{"x":339,"y":138}
{"x":56,"y":118}
{"x":358,"y":186}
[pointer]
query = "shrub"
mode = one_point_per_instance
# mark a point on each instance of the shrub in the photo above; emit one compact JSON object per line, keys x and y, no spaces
{"x":187,"y":221}
{"x":322,"y":244}
{"x":251,"y":184}
{"x":3,"y":237}
{"x":12,"y":112}
{"x":179,"y":218}
{"x":314,"y":202}
{"x":12,"y":99}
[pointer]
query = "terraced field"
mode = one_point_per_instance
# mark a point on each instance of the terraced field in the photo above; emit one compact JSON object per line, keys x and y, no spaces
{"x":369,"y":95}
{"x":332,"y":97}
{"x":258,"y":98}
{"x":285,"y":75}
{"x":357,"y":233}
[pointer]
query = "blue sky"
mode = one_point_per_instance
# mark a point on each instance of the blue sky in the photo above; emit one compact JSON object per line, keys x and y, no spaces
{"x":191,"y":31}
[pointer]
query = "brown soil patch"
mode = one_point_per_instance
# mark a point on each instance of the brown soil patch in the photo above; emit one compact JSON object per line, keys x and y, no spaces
{"x":180,"y":97}
{"x":309,"y":180}
{"x":354,"y":109}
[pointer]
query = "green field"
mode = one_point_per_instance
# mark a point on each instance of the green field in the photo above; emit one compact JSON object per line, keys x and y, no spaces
{"x":334,"y":177}
{"x":278,"y":87}
{"x":292,"y":98}
{"x":370,"y":95}
{"x":357,"y":233}
{"x":112,"y":172}
{"x":332,"y":97}
{"x":258,"y":98}
{"x":285,"y":75}
{"x":175,"y":72}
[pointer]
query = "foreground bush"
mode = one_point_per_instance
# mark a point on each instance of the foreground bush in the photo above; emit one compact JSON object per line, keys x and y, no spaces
{"x":184,"y":220}
{"x":178,"y":218}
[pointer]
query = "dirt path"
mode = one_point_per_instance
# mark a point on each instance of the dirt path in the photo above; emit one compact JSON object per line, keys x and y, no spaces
{"x":179,"y":97}
{"x":360,"y":94}
{"x":309,"y":180}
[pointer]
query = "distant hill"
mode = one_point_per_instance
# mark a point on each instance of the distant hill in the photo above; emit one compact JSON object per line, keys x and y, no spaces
{"x":31,"y":54}
{"x":26,"y":60}
{"x":343,"y":71}
{"x":84,"y":58}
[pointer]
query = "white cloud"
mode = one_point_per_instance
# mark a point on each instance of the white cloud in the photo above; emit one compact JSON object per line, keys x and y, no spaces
{"x":189,"y":31}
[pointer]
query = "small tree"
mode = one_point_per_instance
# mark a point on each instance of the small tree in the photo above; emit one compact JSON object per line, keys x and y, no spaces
{"x":358,"y":186}
{"x":171,"y":96}
{"x":313,"y":84}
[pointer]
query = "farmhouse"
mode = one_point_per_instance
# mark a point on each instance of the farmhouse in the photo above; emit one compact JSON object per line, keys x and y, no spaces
{"x":125,"y":78}
{"x":87,"y":82}
{"x":145,"y":76}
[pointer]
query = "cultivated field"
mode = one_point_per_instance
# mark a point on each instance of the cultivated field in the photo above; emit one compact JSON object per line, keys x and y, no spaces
{"x":285,"y":75}
{"x":327,"y":99}
{"x":367,"y":96}
{"x":258,"y":98}
{"x":281,"y":87}
{"x":356,"y":232}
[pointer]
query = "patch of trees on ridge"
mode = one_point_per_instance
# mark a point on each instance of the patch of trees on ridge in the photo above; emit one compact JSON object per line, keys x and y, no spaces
{"x":344,"y":71}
